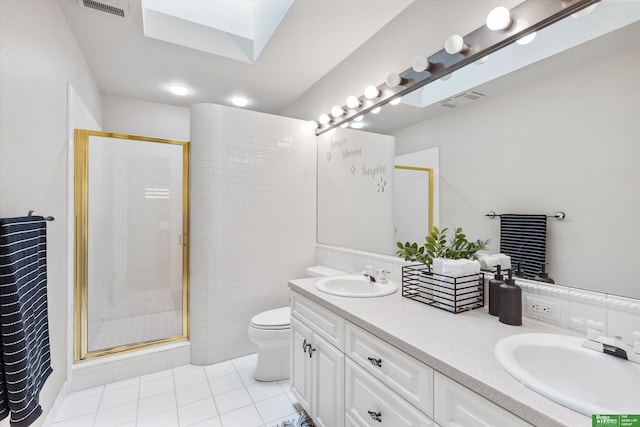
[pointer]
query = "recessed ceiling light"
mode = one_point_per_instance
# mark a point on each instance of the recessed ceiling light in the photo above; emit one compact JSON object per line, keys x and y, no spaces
{"x":239,"y":101}
{"x":179,"y":90}
{"x":357,"y":125}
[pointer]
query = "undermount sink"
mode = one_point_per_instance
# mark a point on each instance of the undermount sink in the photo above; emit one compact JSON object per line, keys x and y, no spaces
{"x":559,"y":368}
{"x":355,"y":286}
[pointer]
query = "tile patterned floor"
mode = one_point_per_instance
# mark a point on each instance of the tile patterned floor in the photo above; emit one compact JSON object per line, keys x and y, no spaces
{"x":220,"y":395}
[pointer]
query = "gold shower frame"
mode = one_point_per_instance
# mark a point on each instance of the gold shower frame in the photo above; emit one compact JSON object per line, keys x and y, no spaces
{"x":81,"y":246}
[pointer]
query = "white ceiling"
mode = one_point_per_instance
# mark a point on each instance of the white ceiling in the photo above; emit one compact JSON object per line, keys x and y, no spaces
{"x":323,"y":51}
{"x":314,"y":36}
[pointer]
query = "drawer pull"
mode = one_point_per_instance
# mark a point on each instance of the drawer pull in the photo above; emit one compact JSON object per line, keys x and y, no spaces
{"x":305,"y":345}
{"x":375,"y":362}
{"x":376,"y":416}
{"x":311,"y":350}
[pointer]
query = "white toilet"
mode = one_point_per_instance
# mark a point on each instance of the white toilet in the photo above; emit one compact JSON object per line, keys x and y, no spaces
{"x":270,"y":331}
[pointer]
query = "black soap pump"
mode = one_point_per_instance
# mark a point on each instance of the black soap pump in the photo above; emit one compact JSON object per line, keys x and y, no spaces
{"x":510,"y":302}
{"x":494,"y":292}
{"x":543,"y":276}
{"x":519,"y":272}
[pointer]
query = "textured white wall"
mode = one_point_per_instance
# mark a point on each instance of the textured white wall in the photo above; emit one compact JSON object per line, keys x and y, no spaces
{"x":38,"y":58}
{"x":253,"y":215}
{"x":568,"y":142}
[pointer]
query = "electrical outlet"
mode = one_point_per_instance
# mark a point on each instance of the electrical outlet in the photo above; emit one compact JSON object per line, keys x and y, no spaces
{"x":542,"y":308}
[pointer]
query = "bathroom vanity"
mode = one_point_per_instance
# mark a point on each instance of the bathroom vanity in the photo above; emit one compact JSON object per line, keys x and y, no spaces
{"x":391,"y":361}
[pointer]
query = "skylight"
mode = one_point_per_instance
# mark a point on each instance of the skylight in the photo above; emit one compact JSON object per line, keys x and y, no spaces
{"x":235,"y":29}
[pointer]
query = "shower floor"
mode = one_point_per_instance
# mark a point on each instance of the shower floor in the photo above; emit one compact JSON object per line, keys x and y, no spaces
{"x":136,"y":329}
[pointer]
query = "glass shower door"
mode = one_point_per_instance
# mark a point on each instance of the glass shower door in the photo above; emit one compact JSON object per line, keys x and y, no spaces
{"x":132,"y":228}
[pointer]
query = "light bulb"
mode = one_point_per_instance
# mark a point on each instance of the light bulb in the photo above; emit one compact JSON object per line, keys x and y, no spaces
{"x":394,"y":80}
{"x":344,"y":125}
{"x":353,"y":102}
{"x":358,"y":119}
{"x":371,"y":92}
{"x":526,"y":39}
{"x":482,"y":60}
{"x":376,"y":110}
{"x":420,"y":64}
{"x":499,"y":19}
{"x":447,"y":77}
{"x":337,"y":111}
{"x":324,"y":119}
{"x":358,"y":125}
{"x":454,"y":44}
{"x":239,"y":101}
{"x":179,"y":90}
{"x":395,"y":101}
{"x":585,"y":11}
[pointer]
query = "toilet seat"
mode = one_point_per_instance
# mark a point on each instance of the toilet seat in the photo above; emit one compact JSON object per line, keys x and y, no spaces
{"x":276,"y":319}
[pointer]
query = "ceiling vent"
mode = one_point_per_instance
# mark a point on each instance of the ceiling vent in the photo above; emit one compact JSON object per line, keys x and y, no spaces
{"x":114,"y":7}
{"x":461,"y":99}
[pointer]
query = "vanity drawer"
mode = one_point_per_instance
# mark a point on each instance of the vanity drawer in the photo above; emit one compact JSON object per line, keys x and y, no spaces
{"x":368,"y":402}
{"x":324,"y":322}
{"x":457,"y":406}
{"x":405,"y":375}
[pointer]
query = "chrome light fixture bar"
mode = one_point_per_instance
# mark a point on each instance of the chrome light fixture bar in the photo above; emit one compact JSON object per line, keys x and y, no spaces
{"x":527,"y":18}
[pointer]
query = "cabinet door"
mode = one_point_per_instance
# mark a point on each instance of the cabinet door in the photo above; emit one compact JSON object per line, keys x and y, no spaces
{"x":369,"y":403}
{"x":457,"y":406}
{"x":301,"y":363}
{"x":328,"y":384}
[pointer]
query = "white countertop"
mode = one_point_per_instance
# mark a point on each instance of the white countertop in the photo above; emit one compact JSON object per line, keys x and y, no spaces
{"x":458,"y":345}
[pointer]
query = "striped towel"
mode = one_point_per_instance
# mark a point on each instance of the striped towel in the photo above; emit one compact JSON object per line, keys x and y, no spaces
{"x":24,"y":341}
{"x":524,"y":239}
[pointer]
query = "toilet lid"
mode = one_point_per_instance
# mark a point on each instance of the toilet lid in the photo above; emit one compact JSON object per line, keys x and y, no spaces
{"x":278,"y":318}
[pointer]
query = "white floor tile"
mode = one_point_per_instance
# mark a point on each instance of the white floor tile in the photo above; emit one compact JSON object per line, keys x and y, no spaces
{"x":245,"y":362}
{"x":243,"y":417}
{"x":122,"y":384}
{"x":156,"y":404}
{"x":247,"y":376}
{"x":116,"y":416}
{"x":285,"y":385}
{"x":185,"y":369}
{"x":119,"y":396}
{"x":75,"y":406}
{"x":275,"y":408}
{"x":232,"y":400}
{"x":162,"y":419}
{"x":214,"y":422}
{"x":83,"y":421}
{"x":192,"y":393}
{"x":264,"y":390}
{"x":156,"y":375}
{"x":197,"y":412}
{"x":220,"y":369}
{"x":156,"y":386}
{"x":224,"y":384}
{"x":190,"y":377}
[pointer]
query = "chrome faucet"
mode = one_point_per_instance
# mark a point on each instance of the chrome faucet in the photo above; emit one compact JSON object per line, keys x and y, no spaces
{"x":376,"y":275}
{"x":613,"y":346}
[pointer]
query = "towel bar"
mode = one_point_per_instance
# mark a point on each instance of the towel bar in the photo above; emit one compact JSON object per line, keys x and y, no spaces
{"x":558,"y":215}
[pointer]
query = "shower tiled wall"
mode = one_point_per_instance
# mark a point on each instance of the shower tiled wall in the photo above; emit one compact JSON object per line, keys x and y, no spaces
{"x":253,"y":210}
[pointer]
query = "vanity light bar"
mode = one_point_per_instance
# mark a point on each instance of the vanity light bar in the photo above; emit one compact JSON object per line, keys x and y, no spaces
{"x":527,"y":18}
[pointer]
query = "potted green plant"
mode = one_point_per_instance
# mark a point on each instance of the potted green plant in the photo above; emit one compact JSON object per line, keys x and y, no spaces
{"x":436,"y":246}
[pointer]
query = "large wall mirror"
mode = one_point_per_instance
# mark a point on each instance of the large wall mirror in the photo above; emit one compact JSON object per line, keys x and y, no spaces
{"x":131,"y":248}
{"x":557,"y":135}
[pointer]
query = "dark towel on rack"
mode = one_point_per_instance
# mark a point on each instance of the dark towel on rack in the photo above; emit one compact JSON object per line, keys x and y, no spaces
{"x":24,"y":328}
{"x":524,"y":239}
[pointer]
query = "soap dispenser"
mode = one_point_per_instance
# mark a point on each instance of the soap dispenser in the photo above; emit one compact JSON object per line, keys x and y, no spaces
{"x":543,"y":276}
{"x":494,"y":292}
{"x":510,"y":302}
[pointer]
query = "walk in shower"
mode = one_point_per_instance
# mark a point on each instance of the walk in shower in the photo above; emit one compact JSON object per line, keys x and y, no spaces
{"x":131,"y":242}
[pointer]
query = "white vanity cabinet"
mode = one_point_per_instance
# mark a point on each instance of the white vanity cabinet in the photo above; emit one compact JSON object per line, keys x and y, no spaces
{"x":376,"y":384}
{"x":317,"y":362}
{"x":457,"y":406}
